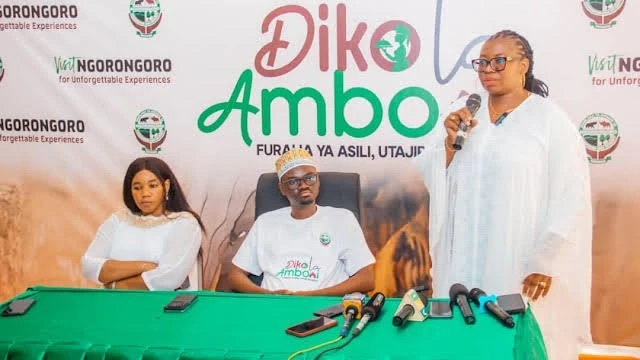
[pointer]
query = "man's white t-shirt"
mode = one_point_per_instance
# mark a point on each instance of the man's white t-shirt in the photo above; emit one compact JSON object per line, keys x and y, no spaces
{"x":304,"y":254}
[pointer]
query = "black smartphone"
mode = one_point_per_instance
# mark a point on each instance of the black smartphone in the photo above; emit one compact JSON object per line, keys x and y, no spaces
{"x":18,"y":307}
{"x":180,"y":303}
{"x":331,"y":311}
{"x":311,"y":326}
{"x":440,"y":309}
{"x":511,"y":303}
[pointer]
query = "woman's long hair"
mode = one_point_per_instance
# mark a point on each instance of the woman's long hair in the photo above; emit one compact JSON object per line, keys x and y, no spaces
{"x":176,"y":200}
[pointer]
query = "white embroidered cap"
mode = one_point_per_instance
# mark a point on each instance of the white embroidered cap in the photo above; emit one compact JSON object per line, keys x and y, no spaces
{"x":292,"y":159}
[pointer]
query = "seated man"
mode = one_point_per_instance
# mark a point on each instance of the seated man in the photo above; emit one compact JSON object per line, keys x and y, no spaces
{"x":304,"y":249}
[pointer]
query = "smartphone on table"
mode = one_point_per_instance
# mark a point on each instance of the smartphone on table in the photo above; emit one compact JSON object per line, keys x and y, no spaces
{"x":180,"y":303}
{"x":331,"y":311}
{"x":311,"y":326}
{"x":18,"y":307}
{"x":440,"y":309}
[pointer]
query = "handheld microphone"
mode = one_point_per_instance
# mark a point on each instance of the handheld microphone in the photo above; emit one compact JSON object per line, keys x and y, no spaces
{"x":473,"y":104}
{"x":370,"y":311}
{"x":459,"y":295}
{"x":481,"y":299}
{"x":413,"y":307}
{"x":352,"y":304}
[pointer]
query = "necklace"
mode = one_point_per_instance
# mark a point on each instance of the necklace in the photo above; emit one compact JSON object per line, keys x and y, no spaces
{"x":496,"y":114}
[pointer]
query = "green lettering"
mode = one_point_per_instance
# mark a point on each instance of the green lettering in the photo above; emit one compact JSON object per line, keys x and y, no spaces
{"x":243,"y":85}
{"x":341,"y":98}
{"x":293,"y":99}
{"x":420,"y":93}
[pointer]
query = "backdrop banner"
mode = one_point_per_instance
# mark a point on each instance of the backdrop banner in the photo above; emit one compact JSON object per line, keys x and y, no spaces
{"x":219,"y":89}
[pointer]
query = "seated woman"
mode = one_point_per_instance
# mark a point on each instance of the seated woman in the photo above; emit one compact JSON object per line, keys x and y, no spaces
{"x":155,"y":243}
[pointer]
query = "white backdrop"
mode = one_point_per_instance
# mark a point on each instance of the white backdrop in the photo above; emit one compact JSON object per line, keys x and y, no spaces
{"x":68,"y":61}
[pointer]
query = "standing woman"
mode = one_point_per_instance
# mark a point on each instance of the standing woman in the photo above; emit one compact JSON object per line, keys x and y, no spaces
{"x":511,"y":211}
{"x":153,"y":244}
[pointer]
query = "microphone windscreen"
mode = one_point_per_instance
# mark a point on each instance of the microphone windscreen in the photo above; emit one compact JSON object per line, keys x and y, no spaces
{"x":457,"y":289}
{"x":475,"y":294}
{"x":473,"y":103}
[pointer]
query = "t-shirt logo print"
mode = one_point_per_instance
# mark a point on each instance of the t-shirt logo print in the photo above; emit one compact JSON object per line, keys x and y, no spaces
{"x":325,"y":239}
{"x":299,"y":269}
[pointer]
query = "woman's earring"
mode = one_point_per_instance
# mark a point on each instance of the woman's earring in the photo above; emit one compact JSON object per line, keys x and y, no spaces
{"x":524,"y":80}
{"x":166,"y":197}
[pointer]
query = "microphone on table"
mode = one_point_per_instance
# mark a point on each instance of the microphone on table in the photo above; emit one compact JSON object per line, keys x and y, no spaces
{"x":473,"y":104}
{"x":352,"y":305}
{"x":413,"y":307}
{"x":459,"y":295}
{"x":481,"y":299}
{"x":370,"y":311}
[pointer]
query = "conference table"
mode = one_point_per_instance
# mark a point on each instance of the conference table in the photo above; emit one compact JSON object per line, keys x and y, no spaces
{"x":74,"y":323}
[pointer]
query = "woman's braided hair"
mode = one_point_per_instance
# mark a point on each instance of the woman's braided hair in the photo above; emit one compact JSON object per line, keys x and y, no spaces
{"x":532,"y":84}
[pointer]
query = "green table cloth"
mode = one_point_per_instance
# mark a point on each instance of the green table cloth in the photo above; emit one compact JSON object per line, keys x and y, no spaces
{"x":70,"y":323}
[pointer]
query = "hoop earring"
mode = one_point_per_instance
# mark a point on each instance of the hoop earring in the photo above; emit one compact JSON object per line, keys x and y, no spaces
{"x":524,"y":80}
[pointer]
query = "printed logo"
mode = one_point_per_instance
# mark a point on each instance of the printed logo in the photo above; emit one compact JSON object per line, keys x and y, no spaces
{"x":325,"y":239}
{"x":395,"y":46}
{"x":299,"y":269}
{"x":150,"y":130}
{"x":145,"y":15}
{"x":1,"y":70}
{"x":614,"y":70}
{"x":112,"y":71}
{"x":44,"y":131}
{"x":601,"y":136}
{"x":603,"y":12}
{"x":50,"y":17}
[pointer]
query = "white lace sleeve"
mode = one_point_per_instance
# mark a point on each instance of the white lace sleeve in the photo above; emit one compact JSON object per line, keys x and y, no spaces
{"x":178,"y":256}
{"x":98,"y":251}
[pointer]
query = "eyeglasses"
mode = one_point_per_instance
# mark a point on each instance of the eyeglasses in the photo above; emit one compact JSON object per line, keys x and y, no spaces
{"x":497,"y":63}
{"x":294,"y":183}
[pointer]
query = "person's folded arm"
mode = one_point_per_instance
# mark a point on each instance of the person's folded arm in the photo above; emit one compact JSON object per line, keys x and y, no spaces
{"x":96,"y":265}
{"x":178,"y":257}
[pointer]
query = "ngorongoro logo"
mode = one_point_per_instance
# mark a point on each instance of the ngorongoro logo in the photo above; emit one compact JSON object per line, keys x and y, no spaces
{"x":601,"y":137}
{"x":603,"y":12}
{"x":145,"y":16}
{"x":150,"y":130}
{"x":1,"y":70}
{"x":47,"y":131}
{"x":38,"y":17}
{"x":78,"y":70}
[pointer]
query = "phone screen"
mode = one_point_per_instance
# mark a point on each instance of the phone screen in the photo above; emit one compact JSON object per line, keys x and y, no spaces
{"x":180,"y":302}
{"x":18,"y":307}
{"x":440,"y":309}
{"x":308,"y":325}
{"x":311,"y":326}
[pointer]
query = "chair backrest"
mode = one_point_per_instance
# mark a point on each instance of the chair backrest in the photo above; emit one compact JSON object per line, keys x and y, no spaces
{"x":337,"y":189}
{"x":195,"y":276}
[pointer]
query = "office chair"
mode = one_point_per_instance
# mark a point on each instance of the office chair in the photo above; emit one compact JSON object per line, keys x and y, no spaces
{"x":337,"y":189}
